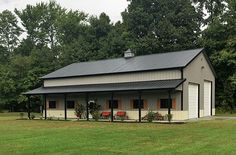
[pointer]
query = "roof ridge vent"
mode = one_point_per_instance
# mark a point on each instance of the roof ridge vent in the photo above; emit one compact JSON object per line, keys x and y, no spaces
{"x":128,"y":54}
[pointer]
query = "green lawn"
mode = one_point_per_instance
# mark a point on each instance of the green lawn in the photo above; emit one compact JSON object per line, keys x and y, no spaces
{"x":225,"y":114}
{"x":67,"y":137}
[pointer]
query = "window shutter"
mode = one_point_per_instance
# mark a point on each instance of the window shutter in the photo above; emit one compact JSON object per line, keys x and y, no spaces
{"x":158,"y":104}
{"x":145,"y":104}
{"x":58,"y":104}
{"x":77,"y":103}
{"x":119,"y":104}
{"x":131,"y":104}
{"x":107,"y":104}
{"x":174,"y":103}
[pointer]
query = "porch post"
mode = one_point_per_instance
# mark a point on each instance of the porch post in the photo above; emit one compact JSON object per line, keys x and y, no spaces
{"x":42,"y":104}
{"x":65,"y":104}
{"x":139,"y":106}
{"x":45,"y":106}
{"x":169,"y":101}
{"x":112,"y":101}
{"x":28,"y":106}
{"x":87,"y":106}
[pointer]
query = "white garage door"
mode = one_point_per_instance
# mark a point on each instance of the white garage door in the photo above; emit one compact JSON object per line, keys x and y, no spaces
{"x":207,"y":98}
{"x":193,"y":100}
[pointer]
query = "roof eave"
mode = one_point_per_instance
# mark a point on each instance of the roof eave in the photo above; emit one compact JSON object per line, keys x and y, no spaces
{"x":37,"y":91}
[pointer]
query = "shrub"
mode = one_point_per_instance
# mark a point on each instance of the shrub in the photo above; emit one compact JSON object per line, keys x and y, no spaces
{"x":79,"y":110}
{"x":150,"y":116}
{"x":32,"y":116}
{"x":96,"y":115}
{"x":122,"y":118}
{"x":1,"y":108}
{"x":169,"y":117}
{"x":22,"y":115}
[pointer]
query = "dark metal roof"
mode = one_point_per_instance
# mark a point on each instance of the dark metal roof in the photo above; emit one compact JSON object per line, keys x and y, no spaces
{"x":128,"y":86}
{"x":121,"y":65}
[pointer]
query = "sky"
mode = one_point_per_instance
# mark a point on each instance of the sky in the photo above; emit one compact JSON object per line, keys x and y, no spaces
{"x":113,"y":8}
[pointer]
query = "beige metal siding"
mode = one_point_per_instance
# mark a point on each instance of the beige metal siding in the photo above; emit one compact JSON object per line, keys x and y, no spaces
{"x":115,"y":78}
{"x":197,"y":72}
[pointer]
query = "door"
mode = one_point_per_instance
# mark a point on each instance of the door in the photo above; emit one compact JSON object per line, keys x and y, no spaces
{"x":207,"y":98}
{"x":193,"y":100}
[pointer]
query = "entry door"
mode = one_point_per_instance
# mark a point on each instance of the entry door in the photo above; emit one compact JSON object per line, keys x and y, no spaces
{"x":207,"y":98}
{"x":193,"y":100}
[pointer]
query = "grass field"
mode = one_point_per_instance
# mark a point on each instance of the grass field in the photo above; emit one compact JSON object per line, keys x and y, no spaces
{"x":226,"y":114}
{"x":67,"y":137}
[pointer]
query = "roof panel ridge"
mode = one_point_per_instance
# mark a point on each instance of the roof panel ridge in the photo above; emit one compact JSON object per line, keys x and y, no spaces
{"x":94,"y":61}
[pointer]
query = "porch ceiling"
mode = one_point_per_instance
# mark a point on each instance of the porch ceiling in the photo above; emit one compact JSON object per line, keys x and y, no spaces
{"x":128,"y":86}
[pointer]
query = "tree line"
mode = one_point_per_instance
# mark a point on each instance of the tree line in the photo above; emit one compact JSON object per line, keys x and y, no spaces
{"x":41,"y":38}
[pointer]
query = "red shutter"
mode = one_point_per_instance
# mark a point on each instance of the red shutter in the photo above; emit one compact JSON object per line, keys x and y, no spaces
{"x":58,"y":104}
{"x":119,"y":104}
{"x":131,"y":104}
{"x":107,"y":105}
{"x":47,"y":104}
{"x":174,"y":103}
{"x":158,"y":104}
{"x":145,"y":104}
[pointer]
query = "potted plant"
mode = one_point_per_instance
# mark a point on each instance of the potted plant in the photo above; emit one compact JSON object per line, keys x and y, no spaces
{"x":79,"y":110}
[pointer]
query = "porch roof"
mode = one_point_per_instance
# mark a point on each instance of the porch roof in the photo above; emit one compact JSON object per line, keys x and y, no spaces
{"x":109,"y":87}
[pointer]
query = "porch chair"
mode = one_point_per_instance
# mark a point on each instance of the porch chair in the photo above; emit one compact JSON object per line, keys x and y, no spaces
{"x":105,"y":114}
{"x":121,"y":114}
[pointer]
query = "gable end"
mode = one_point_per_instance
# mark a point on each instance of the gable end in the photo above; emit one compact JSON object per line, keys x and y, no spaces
{"x":207,"y":59}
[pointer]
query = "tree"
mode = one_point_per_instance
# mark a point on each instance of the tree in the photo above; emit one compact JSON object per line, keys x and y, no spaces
{"x":7,"y":86}
{"x":226,"y":78}
{"x":220,"y":42}
{"x":90,"y":41}
{"x":97,"y":34}
{"x":214,"y":9}
{"x":100,"y":27}
{"x":40,"y":22}
{"x":25,"y":47}
{"x":4,"y":55}
{"x":9,"y":31}
{"x":71,"y":26}
{"x":158,"y":26}
{"x":117,"y":41}
{"x":79,"y":50}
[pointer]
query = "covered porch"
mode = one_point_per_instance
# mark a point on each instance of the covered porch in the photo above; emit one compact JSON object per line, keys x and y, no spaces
{"x":133,"y":100}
